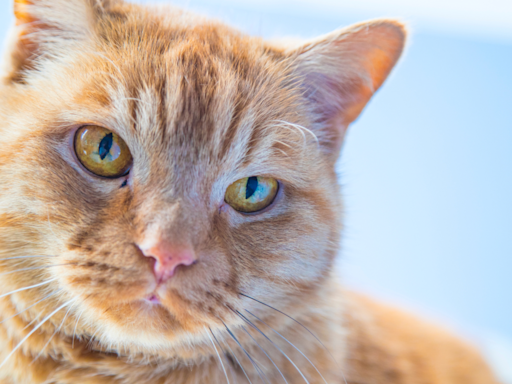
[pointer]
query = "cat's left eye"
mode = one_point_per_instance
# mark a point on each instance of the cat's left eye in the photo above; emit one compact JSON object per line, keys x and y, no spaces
{"x":102,"y":152}
{"x":252,"y":194}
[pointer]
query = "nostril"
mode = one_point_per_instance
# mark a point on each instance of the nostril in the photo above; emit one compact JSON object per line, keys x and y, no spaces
{"x":166,"y":258}
{"x":152,"y":260}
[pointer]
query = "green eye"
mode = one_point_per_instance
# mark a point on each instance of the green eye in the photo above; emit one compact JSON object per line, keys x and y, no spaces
{"x":102,"y":152}
{"x":252,"y":194}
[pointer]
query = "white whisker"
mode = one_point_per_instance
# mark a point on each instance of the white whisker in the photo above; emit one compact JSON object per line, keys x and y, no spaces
{"x":31,"y":322}
{"x":25,"y":257}
{"x":111,"y":62}
{"x":266,"y":354}
{"x":300,"y":128}
{"x":275,"y":345}
{"x":29,"y":287}
{"x":50,"y":339}
{"x":289,"y":342}
{"x":91,"y":338}
{"x":33,"y":268}
{"x":214,"y":346}
{"x":137,"y":99}
{"x":295,"y":321}
{"x":283,"y":143}
{"x":50,"y":224}
{"x":34,"y":330}
{"x":254,"y":364}
{"x":26,"y":309}
{"x":74,"y":329}
{"x":238,"y":362}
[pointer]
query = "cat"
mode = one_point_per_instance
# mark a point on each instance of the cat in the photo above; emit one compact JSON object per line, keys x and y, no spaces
{"x":170,"y":212}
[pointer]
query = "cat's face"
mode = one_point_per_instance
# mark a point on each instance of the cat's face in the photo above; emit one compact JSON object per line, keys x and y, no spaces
{"x":198,"y":108}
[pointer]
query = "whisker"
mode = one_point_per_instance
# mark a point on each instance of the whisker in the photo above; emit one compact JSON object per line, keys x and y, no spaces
{"x":260,"y":347}
{"x":34,"y":268}
{"x":137,"y":99}
{"x":34,"y":330}
{"x":36,"y":319}
{"x":300,"y":128}
{"x":50,"y":339}
{"x":49,"y":223}
{"x":289,"y":342}
{"x":29,"y":287}
{"x":100,"y":54}
{"x":275,"y":345}
{"x":231,"y":370}
{"x":296,"y":321}
{"x":31,"y":322}
{"x":26,"y":309}
{"x":218,"y":354}
{"x":91,"y":338}
{"x":258,"y":369}
{"x":238,"y":362}
{"x":74,"y":329}
{"x":25,"y":257}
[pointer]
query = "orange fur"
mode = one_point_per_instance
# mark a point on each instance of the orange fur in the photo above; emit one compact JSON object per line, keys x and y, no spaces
{"x":200,"y":106}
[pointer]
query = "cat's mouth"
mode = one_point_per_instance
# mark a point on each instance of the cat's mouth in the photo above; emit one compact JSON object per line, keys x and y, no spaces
{"x":153,"y":299}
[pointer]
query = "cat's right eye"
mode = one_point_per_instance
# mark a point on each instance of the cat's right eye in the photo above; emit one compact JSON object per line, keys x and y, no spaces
{"x":102,"y":152}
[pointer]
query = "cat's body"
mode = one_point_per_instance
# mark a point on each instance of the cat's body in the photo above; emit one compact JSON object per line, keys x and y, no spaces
{"x":194,"y":242}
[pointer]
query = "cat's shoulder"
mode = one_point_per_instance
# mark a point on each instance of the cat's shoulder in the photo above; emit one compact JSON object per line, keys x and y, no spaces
{"x":388,"y":345}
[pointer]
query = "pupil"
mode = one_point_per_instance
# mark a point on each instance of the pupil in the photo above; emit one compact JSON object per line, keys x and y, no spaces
{"x":105,"y":146}
{"x":252,"y":185}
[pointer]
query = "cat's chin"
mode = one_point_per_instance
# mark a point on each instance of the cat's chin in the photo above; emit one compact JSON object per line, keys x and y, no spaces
{"x":146,"y":325}
{"x":159,"y":323}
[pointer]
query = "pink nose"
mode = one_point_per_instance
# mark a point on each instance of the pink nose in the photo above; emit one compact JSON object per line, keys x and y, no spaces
{"x":168,"y":258}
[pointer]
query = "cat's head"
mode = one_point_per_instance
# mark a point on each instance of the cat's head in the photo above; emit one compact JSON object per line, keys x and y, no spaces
{"x":159,"y":170}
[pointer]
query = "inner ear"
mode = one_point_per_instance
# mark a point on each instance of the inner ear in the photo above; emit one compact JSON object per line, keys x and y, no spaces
{"x":341,"y":71}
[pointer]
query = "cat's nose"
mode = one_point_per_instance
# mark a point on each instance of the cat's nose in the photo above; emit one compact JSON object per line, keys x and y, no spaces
{"x":168,"y":258}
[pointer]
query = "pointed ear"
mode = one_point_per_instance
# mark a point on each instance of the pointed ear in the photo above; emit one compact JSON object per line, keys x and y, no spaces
{"x":342,"y":70}
{"x":46,"y":28}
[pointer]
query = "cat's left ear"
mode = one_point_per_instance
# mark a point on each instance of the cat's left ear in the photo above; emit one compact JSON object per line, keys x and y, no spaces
{"x":47,"y":28}
{"x":341,"y":71}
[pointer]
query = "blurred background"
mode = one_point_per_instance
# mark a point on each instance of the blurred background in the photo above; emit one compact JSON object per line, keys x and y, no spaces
{"x":427,"y":168}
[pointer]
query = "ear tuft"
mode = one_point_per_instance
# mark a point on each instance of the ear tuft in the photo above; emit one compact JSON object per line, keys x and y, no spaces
{"x":342,"y":70}
{"x":47,"y":27}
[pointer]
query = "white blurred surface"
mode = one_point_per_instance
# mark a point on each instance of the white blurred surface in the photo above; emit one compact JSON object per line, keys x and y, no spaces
{"x":483,"y":19}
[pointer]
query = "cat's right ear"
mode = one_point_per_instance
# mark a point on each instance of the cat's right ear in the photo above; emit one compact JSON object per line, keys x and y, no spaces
{"x":46,"y":28}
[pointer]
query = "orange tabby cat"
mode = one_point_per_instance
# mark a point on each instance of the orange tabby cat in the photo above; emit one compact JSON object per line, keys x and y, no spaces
{"x":167,"y":217}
